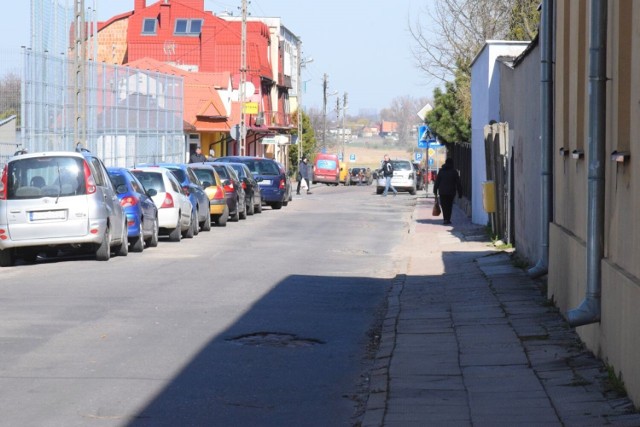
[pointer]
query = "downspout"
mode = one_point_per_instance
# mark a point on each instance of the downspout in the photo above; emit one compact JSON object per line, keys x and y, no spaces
{"x":589,"y":310}
{"x":546,"y":135}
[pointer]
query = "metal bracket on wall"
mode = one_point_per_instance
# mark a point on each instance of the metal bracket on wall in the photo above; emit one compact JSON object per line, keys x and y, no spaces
{"x":577,"y":154}
{"x":620,"y":156}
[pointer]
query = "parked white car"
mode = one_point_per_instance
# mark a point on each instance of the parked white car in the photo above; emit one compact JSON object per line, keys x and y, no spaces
{"x":60,"y":200}
{"x":404,"y":177}
{"x":175,"y":216}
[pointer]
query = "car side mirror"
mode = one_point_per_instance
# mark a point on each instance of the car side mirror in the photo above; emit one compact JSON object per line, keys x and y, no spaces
{"x":226,"y":182}
{"x":206,"y":184}
{"x":152,"y":192}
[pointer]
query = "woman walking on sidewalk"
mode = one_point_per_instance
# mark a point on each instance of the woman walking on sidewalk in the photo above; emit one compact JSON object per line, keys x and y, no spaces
{"x":447,"y":185}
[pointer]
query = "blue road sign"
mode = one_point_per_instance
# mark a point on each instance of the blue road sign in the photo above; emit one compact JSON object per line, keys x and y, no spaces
{"x":423,"y":136}
{"x":340,"y":156}
{"x":430,"y":161}
{"x":352,"y":157}
{"x":418,"y":156}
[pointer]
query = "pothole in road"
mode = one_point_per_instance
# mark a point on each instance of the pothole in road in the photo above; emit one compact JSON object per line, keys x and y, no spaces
{"x":275,"y":339}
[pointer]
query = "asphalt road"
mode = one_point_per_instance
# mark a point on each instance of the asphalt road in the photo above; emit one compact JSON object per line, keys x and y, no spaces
{"x":263,"y":322}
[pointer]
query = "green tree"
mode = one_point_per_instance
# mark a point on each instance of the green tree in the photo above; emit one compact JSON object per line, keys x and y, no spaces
{"x":447,"y":119}
{"x":309,"y":144}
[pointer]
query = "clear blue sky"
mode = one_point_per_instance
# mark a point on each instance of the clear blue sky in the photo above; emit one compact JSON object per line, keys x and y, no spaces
{"x":363,"y":46}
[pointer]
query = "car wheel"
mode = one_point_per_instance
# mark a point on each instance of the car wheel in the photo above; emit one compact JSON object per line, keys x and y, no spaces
{"x":412,"y":191}
{"x":137,"y":245}
{"x":285,"y":203}
{"x":123,"y":248}
{"x":6,"y":258}
{"x":206,"y":224}
{"x":250,"y":207}
{"x":379,"y":190}
{"x":276,"y":205}
{"x":243,"y":214}
{"x":236,"y":215}
{"x":258,"y":207}
{"x":221,"y":220}
{"x":103,"y":253}
{"x":189,"y":232}
{"x":176,"y":234}
{"x":152,"y":242}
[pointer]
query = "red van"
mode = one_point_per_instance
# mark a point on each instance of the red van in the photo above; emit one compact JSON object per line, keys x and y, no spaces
{"x":326,"y":169}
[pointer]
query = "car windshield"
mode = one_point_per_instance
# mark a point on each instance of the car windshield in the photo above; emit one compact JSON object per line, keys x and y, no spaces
{"x":401,"y":165}
{"x":150,"y":180}
{"x":45,"y":177}
{"x":205,"y":175}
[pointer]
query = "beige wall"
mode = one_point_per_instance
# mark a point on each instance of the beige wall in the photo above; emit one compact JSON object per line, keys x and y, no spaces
{"x":616,"y":339}
{"x":520,"y":107}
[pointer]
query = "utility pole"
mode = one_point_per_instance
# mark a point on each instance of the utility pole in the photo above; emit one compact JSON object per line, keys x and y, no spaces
{"x":79,"y":82}
{"x":324,"y":109}
{"x":243,"y":79}
{"x":344,"y":112}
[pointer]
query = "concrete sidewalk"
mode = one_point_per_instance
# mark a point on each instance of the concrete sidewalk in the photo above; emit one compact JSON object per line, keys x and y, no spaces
{"x":470,"y":340}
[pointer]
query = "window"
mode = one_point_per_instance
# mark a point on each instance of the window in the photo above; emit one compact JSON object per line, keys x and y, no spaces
{"x":149,"y":25}
{"x":188,"y":27}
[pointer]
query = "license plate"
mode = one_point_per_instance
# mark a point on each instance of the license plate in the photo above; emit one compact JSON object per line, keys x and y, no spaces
{"x":265,"y":182}
{"x":47,"y":215}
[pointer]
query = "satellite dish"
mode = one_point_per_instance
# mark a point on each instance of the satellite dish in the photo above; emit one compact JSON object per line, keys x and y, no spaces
{"x":249,"y":89}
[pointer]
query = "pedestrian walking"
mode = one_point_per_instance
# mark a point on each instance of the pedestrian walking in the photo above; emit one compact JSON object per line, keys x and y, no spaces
{"x":304,"y":171}
{"x":387,"y":172}
{"x":446,"y":186}
{"x":198,"y":157}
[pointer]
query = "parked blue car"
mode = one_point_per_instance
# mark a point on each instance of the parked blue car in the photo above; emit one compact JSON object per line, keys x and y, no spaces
{"x":194,"y":190}
{"x":141,"y":212}
{"x":275,"y":185}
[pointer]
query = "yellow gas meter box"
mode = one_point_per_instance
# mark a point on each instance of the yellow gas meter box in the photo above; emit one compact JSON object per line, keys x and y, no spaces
{"x":489,"y":196}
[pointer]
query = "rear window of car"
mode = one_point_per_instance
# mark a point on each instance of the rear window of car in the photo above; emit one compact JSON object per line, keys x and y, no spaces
{"x":150,"y":180}
{"x":401,"y":165}
{"x":326,"y":164}
{"x":179,"y":174}
{"x":222,"y":171}
{"x":205,"y":175}
{"x":45,"y":177}
{"x":117,"y":179}
{"x":239,"y":170}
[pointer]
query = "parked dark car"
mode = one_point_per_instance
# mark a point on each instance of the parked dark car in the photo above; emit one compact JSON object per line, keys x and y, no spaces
{"x":212,"y":184}
{"x":197,"y":196}
{"x":274,"y":183}
{"x":233,"y":189}
{"x":359,"y":176}
{"x":140,"y":210}
{"x":252,"y":193}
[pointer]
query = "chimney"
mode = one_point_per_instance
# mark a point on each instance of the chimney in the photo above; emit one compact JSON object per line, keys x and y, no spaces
{"x":139,"y":5}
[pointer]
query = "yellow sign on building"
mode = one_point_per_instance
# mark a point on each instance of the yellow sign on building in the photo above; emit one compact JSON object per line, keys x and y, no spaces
{"x":250,"y":108}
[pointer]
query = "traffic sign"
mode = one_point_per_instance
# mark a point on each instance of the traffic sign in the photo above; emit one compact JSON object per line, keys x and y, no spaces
{"x":418,"y":156}
{"x":423,"y":136}
{"x":352,"y":157}
{"x":430,"y":161}
{"x":340,"y":156}
{"x":431,"y":152}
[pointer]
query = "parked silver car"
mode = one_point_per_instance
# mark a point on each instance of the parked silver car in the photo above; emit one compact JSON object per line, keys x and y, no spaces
{"x":58,"y":200}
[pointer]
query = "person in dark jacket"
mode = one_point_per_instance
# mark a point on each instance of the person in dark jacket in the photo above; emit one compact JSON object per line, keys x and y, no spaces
{"x":446,"y":186}
{"x":304,"y":171}
{"x":387,"y":172}
{"x":198,"y":157}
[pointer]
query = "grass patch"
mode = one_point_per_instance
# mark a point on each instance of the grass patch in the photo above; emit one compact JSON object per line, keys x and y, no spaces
{"x":614,"y":381}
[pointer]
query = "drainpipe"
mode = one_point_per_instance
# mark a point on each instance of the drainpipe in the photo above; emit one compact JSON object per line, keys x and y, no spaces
{"x":546,"y":135}
{"x":589,"y":310}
